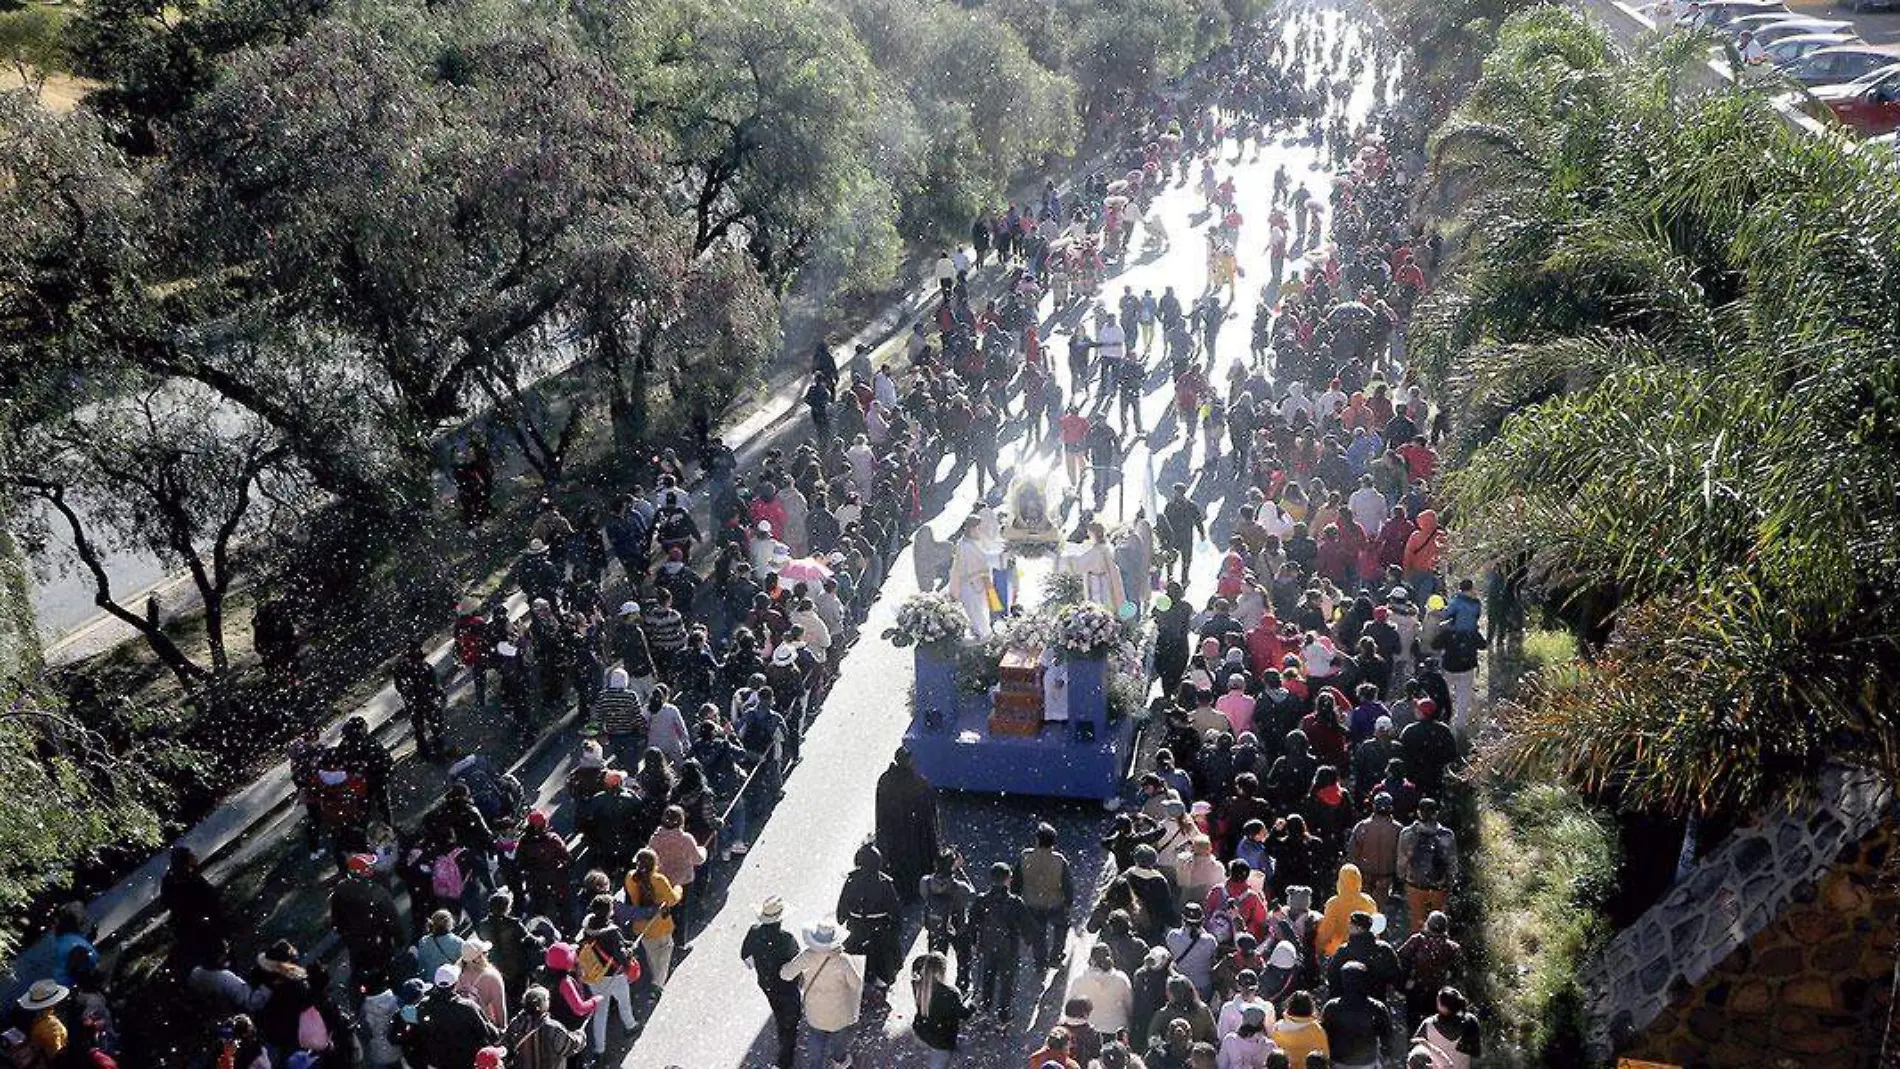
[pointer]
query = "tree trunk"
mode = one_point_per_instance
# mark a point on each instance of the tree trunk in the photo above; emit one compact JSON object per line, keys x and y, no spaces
{"x":188,"y":672}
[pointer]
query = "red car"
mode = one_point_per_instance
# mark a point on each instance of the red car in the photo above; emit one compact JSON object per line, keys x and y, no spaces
{"x":1869,"y":106}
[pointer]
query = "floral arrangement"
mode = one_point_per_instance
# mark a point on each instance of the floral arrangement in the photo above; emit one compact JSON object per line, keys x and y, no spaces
{"x":928,"y":619}
{"x":1086,"y":630}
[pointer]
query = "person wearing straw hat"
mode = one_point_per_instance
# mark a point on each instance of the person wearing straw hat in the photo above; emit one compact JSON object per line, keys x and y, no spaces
{"x":766,"y":950}
{"x":46,"y":1032}
{"x":833,"y":991}
{"x":481,"y":981}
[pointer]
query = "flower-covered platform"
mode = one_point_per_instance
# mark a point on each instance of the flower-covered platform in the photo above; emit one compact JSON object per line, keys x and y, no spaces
{"x":1044,"y":707}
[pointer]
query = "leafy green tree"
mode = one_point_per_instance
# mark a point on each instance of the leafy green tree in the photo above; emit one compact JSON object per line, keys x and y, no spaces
{"x":157,"y":57}
{"x":430,"y":220}
{"x":762,"y":106}
{"x":1124,"y":48}
{"x":32,"y":43}
{"x":982,"y":110}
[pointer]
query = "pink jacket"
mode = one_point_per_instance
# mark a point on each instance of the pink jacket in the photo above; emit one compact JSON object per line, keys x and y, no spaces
{"x":679,"y":853}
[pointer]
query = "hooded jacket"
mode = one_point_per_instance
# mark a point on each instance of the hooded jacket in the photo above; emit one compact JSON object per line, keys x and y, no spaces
{"x":1335,"y":924}
{"x":1356,"y":1025}
{"x":1421,"y":547}
{"x":1300,"y":1036}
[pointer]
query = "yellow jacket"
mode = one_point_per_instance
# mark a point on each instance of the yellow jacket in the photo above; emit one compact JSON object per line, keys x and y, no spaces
{"x":1300,"y":1036}
{"x":666,"y":894}
{"x":1336,"y":924}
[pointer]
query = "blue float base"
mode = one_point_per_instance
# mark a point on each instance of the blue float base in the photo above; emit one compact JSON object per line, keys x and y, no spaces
{"x":950,"y":740}
{"x":1050,"y":765}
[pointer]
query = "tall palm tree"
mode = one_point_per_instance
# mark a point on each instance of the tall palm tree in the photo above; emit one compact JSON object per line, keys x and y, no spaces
{"x":1671,"y":337}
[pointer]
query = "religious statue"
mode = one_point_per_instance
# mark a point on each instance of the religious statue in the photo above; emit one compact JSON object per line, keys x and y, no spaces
{"x":971,"y":580}
{"x":1094,"y":560}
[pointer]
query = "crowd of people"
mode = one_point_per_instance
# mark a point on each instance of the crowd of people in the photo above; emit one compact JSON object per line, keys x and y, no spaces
{"x":1282,"y":884}
{"x":1280,"y":895}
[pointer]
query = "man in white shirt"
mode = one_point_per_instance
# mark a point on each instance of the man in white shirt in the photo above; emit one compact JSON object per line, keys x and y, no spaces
{"x":1110,"y":993}
{"x":1368,"y":506}
{"x":1333,"y":399}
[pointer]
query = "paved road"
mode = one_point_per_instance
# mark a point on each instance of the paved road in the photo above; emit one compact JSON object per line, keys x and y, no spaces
{"x":1875,"y":27}
{"x":807,"y":847}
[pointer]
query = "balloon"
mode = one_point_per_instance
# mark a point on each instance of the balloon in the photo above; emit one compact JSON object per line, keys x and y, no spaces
{"x":1163,"y":603}
{"x":1127,"y":611}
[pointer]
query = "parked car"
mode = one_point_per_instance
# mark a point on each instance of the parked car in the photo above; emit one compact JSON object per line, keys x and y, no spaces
{"x":1775,"y":29}
{"x":1719,"y":14}
{"x":1788,"y":51}
{"x":1843,"y":63}
{"x":1869,"y":106}
{"x":1860,"y":6}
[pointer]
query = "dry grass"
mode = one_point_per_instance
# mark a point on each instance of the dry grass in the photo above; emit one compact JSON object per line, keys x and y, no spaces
{"x":61,"y":93}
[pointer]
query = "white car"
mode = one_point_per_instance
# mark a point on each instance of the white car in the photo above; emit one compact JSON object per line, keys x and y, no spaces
{"x":1788,"y":51}
{"x":1720,"y":13}
{"x":1837,"y":64}
{"x":1774,"y":30}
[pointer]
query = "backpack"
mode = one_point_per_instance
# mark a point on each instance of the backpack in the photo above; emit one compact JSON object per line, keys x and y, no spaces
{"x":313,"y":1033}
{"x":1431,"y":862}
{"x":446,"y":878}
{"x":592,"y":964}
{"x":1225,"y":921}
{"x":939,"y":909}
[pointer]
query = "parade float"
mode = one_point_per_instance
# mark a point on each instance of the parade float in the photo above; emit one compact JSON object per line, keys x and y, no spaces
{"x":1038,"y":702}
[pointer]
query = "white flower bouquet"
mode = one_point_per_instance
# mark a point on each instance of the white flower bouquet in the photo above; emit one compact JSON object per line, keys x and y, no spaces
{"x":1086,"y":630}
{"x":928,"y":619}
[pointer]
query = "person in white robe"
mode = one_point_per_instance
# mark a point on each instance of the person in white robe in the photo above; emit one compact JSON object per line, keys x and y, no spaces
{"x":971,"y":581}
{"x":1101,"y":575}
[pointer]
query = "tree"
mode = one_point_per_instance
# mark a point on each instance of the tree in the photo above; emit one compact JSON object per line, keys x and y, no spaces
{"x":157,"y":58}
{"x":163,"y":469}
{"x":982,"y":110}
{"x":765,"y":107}
{"x":1670,"y":336}
{"x":429,"y":221}
{"x":31,"y":43}
{"x":1125,"y":48}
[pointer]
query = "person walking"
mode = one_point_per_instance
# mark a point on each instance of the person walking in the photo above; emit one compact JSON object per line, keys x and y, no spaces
{"x":767,"y":949}
{"x":832,"y":993}
{"x":534,"y":1039}
{"x":680,"y":857}
{"x":1373,"y":847}
{"x":604,"y":961}
{"x":940,"y":1009}
{"x":1427,"y":863}
{"x":1358,"y":1027}
{"x":872,"y":913}
{"x":1429,"y":961}
{"x":946,"y":897}
{"x":364,"y":914}
{"x":449,"y":1027}
{"x":1042,"y":876}
{"x":651,"y":900}
{"x":1109,"y":992}
{"x":999,"y":922}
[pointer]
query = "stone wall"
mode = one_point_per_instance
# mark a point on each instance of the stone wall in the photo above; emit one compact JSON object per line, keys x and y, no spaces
{"x":1810,"y":989}
{"x":1760,"y":901}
